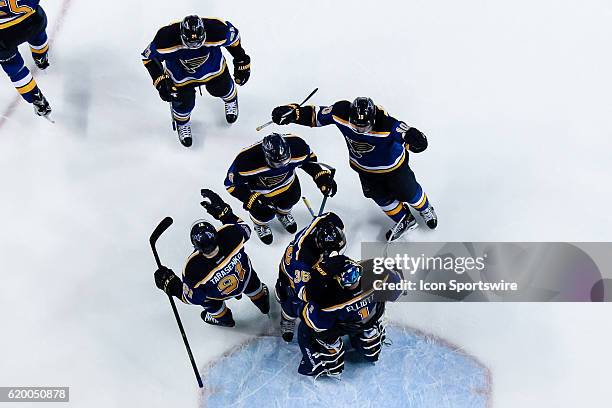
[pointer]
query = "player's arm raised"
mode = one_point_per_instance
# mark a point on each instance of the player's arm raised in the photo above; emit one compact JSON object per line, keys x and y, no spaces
{"x":221,"y":211}
{"x":312,"y":116}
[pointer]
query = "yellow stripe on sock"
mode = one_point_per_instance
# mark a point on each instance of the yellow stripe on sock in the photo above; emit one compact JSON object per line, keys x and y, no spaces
{"x":27,"y":88}
{"x":41,"y":51}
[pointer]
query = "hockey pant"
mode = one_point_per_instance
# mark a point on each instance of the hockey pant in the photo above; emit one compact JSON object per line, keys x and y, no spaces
{"x":392,"y":191}
{"x":283,"y":200}
{"x":219,"y":310}
{"x":287,"y":297}
{"x":220,"y":87}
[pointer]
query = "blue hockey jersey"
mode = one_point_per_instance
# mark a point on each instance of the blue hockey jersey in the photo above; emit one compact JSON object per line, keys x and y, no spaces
{"x":224,"y":276}
{"x":249,"y":172}
{"x":331,"y":307}
{"x":187,"y":66}
{"x":301,"y":255}
{"x":379,"y":151}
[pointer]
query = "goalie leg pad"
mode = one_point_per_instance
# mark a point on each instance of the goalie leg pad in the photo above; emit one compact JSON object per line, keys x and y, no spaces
{"x":320,"y":356}
{"x":369,"y":342}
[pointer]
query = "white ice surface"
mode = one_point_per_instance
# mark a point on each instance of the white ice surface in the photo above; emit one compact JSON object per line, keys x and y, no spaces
{"x":515,"y":99}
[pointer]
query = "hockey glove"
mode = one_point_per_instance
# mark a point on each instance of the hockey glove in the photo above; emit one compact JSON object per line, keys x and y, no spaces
{"x":167,"y":281}
{"x":214,"y":205}
{"x":242,"y":69}
{"x":326,"y":183}
{"x":258,"y":202}
{"x":283,"y":115}
{"x":414,"y":138}
{"x":165,"y":87}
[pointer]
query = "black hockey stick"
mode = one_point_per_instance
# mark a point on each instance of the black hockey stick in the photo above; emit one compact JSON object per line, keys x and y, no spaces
{"x":265,"y":125}
{"x":326,"y":196}
{"x":159,"y":230}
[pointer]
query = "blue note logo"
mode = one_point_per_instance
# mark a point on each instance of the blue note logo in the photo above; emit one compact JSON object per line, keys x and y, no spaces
{"x":192,"y":65}
{"x":358,"y":149}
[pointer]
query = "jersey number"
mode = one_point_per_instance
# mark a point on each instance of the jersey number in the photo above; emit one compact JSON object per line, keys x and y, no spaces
{"x":229,"y":284}
{"x":14,"y":7}
{"x":364,"y":312}
{"x":301,"y":276}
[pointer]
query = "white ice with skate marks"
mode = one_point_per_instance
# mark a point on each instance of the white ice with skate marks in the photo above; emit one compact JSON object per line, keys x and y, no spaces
{"x":414,"y":371}
{"x":514,"y":99}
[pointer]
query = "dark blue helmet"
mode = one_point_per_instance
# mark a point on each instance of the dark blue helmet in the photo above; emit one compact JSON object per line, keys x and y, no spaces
{"x":362,"y":114}
{"x":193,"y":33}
{"x":204,"y":237}
{"x":276,"y":150}
{"x":329,"y":237}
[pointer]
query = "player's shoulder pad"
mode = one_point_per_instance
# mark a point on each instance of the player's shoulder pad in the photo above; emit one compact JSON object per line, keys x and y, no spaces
{"x":299,"y":147}
{"x":341,"y":109}
{"x":194,"y":267}
{"x":230,"y":236}
{"x":216,"y":31}
{"x":384,"y":122}
{"x":250,"y":160}
{"x":168,"y":38}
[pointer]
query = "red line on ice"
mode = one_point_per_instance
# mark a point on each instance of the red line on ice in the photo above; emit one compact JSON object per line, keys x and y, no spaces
{"x":56,"y":30}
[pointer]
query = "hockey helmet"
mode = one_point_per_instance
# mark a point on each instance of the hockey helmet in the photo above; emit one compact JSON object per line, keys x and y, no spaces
{"x":362,"y":114}
{"x":276,"y":150}
{"x":204,"y":237}
{"x":193,"y":33}
{"x":343,"y":270}
{"x":329,"y":237}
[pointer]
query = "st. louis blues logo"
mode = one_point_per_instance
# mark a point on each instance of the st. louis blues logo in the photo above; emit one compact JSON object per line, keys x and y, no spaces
{"x":358,"y":149}
{"x":192,"y":65}
{"x":272,"y":180}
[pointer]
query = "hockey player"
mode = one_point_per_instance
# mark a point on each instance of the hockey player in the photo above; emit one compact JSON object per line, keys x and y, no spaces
{"x":263,"y":177}
{"x":378,"y":145}
{"x":187,"y":55}
{"x":218,"y":269}
{"x":338,"y":305}
{"x":24,"y":21}
{"x":323,"y":237}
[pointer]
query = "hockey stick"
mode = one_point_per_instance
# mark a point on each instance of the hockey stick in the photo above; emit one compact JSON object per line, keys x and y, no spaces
{"x":159,"y":230}
{"x":307,"y":203}
{"x":265,"y":125}
{"x":326,"y":196}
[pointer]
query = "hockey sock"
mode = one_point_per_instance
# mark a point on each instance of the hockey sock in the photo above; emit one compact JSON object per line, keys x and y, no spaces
{"x":231,"y":95}
{"x":419,"y":202}
{"x":393,"y":208}
{"x":21,"y":77}
{"x":39,"y":45}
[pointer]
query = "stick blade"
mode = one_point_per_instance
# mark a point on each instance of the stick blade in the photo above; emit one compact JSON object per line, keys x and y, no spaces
{"x":160,"y":229}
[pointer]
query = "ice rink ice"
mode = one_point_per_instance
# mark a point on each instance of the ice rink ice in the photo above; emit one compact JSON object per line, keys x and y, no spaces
{"x":513,"y":96}
{"x":414,"y":371}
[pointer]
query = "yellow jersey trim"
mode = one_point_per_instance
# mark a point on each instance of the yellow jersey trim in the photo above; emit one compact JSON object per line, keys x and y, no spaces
{"x":221,"y":265}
